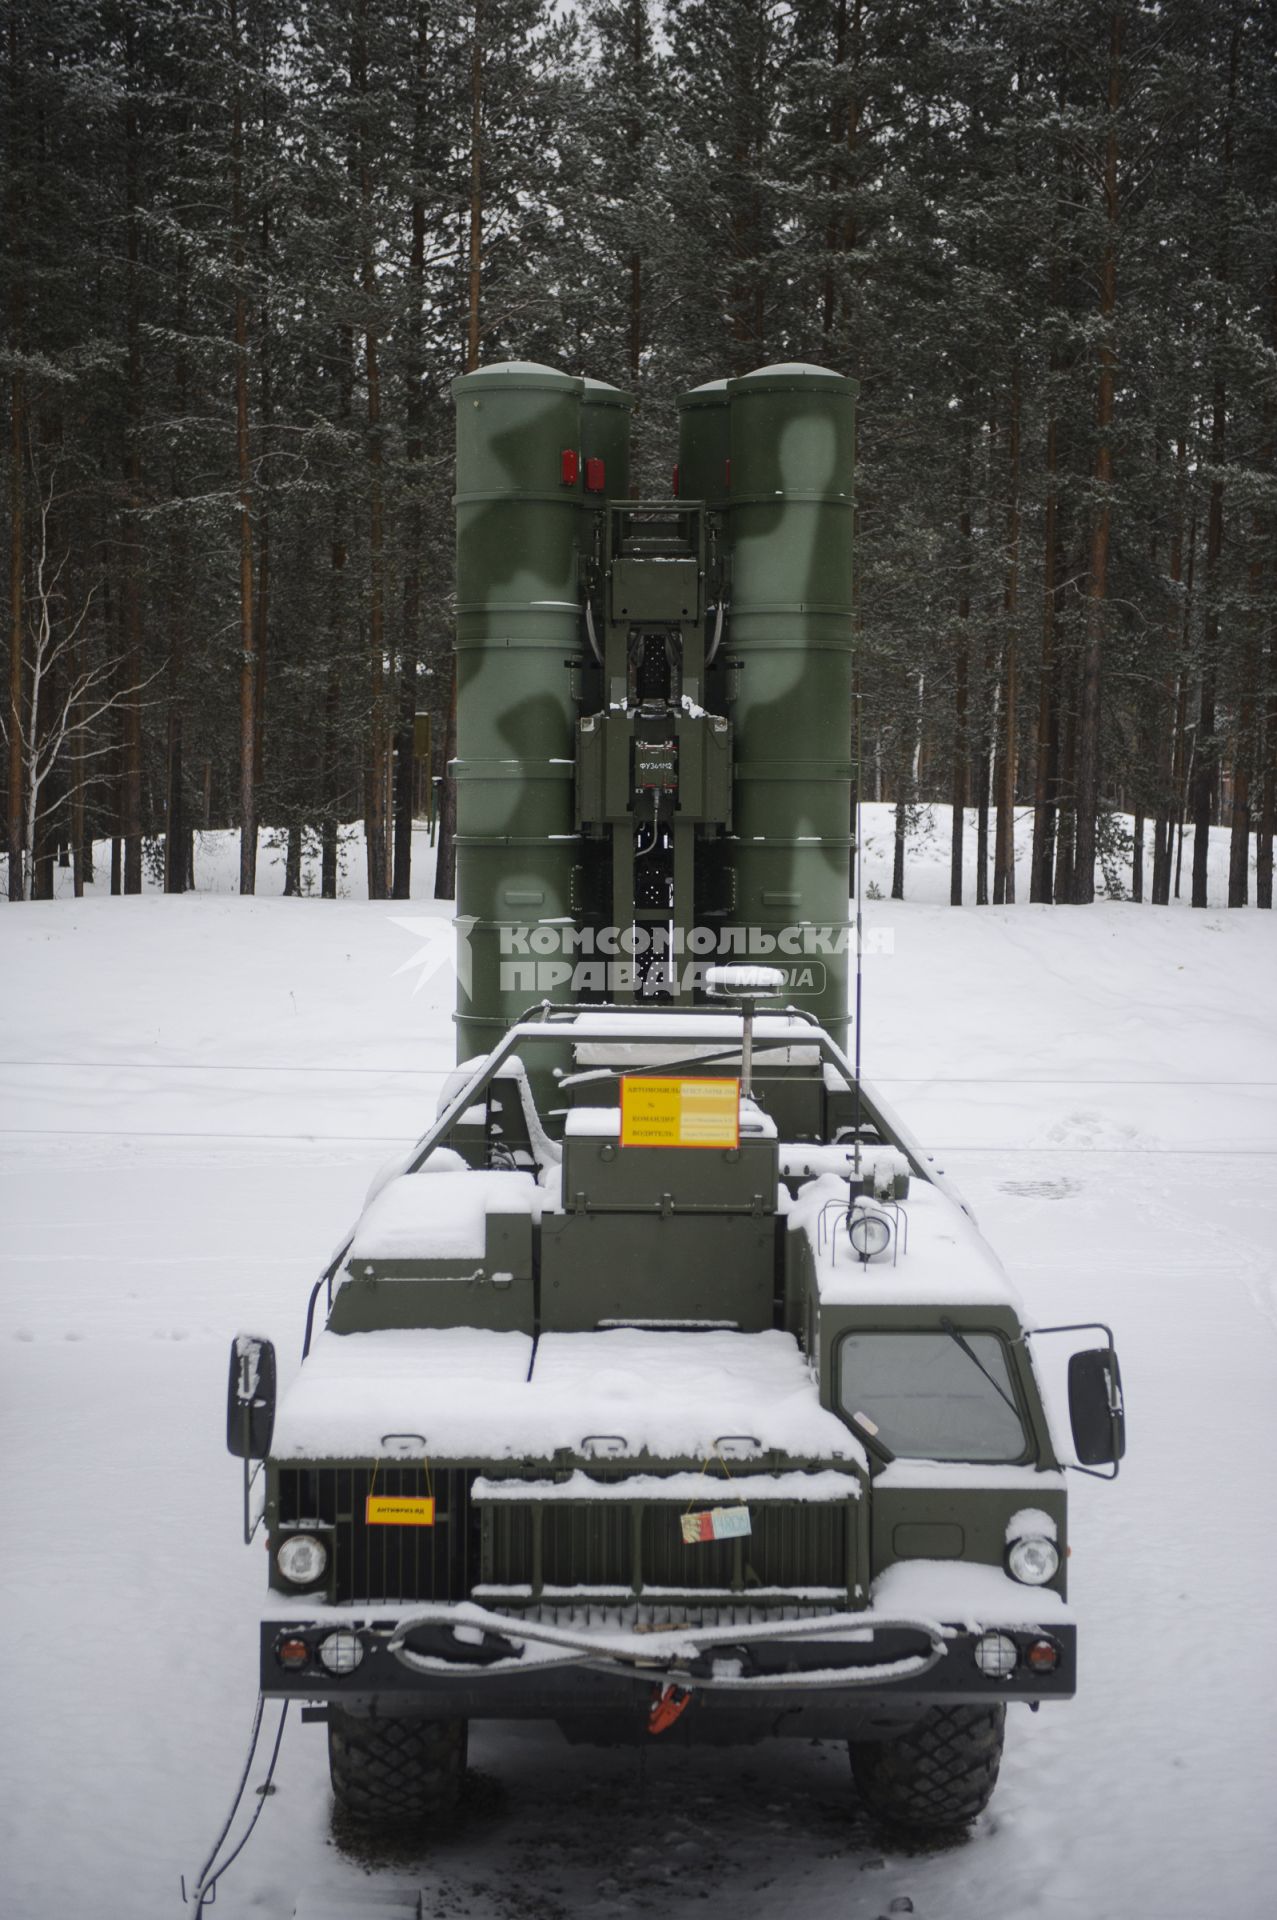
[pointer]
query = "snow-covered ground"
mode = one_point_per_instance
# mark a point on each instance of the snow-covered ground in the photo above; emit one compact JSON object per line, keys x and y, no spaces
{"x":197,"y":1092}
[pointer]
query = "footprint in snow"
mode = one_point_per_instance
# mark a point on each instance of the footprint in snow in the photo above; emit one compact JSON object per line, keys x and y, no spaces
{"x":1087,"y":1129}
{"x":1040,"y":1189}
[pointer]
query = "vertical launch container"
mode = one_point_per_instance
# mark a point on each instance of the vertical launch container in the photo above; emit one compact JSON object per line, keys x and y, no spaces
{"x":792,"y":448}
{"x":520,"y":486}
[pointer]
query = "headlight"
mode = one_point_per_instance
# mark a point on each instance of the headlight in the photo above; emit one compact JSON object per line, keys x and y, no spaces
{"x":341,"y":1652}
{"x":1033,"y":1560}
{"x":869,"y":1233}
{"x":302,"y":1559}
{"x":996,"y":1655}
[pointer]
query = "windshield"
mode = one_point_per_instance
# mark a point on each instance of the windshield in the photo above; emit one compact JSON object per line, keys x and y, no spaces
{"x":928,"y":1398}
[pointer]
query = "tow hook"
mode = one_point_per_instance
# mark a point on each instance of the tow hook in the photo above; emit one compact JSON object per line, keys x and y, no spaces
{"x":668,"y":1703}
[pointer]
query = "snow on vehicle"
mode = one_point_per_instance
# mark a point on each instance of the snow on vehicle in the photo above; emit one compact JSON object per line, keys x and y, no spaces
{"x":666,"y":1386}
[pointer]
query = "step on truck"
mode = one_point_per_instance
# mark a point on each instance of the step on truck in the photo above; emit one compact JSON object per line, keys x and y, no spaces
{"x":665,"y":1388}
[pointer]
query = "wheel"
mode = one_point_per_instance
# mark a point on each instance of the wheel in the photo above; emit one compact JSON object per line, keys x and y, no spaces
{"x":939,"y":1775}
{"x":395,"y":1767}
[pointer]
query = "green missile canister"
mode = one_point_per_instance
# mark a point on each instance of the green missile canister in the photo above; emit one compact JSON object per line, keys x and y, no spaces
{"x":605,"y":442}
{"x":520,"y":489}
{"x":704,"y":444}
{"x":792,"y":455}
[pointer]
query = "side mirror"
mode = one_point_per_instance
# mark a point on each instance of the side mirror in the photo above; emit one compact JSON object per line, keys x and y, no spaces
{"x":250,"y":1397}
{"x":1095,"y":1407}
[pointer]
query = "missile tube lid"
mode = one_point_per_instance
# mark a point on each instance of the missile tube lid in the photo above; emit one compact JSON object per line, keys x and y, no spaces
{"x":507,"y":374}
{"x":601,"y":393}
{"x":790,"y":376}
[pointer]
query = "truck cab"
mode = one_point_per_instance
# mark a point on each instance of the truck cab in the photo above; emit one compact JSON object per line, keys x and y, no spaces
{"x":679,"y":1408}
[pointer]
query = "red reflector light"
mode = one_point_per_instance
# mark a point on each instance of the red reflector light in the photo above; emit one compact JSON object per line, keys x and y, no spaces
{"x":292,"y":1653}
{"x":1043,"y":1656}
{"x":676,"y":483}
{"x":569,"y":466}
{"x":595,"y":476}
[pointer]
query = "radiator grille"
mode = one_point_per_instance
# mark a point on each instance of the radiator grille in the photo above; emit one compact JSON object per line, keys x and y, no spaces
{"x":388,"y":1563}
{"x":638,"y":1545}
{"x":629,"y":1544}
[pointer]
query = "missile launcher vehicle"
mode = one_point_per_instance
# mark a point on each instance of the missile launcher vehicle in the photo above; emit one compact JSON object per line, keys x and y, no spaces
{"x":665,"y":1387}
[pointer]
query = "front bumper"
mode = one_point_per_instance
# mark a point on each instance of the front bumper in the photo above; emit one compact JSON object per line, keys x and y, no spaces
{"x":459,"y":1660}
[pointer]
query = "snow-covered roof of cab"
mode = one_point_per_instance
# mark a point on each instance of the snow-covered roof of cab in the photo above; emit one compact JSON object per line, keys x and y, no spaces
{"x":948,"y":1262}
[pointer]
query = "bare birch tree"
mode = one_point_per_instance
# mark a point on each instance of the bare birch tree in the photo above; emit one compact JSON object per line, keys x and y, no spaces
{"x":64,"y":699}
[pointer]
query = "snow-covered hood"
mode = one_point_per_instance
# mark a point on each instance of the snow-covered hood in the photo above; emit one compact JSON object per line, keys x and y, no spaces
{"x":471,"y":1393}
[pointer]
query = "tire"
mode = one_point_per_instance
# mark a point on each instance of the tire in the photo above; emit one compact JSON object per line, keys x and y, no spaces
{"x":398,"y":1769}
{"x":938,"y":1776}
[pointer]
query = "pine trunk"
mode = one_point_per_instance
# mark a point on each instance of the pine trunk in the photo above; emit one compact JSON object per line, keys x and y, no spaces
{"x":243,"y":466}
{"x":1243,"y":749}
{"x":175,"y":831}
{"x":1268,"y":799}
{"x":293,"y":863}
{"x":475,"y":257}
{"x":328,"y":829}
{"x":961,"y":673}
{"x":1004,"y":844}
{"x":17,"y":564}
{"x":1171,"y":719}
{"x":983,"y":773}
{"x":639,"y":52}
{"x":446,"y":857}
{"x":410,"y":641}
{"x":898,"y":847}
{"x":132,"y":711}
{"x":17,"y":465}
{"x":405,"y":776}
{"x":1087,"y":775}
{"x":907,"y":794}
{"x":1268,"y":804}
{"x":1257,"y":727}
{"x":174,"y":827}
{"x":262,"y":581}
{"x":78,"y":810}
{"x":1066,"y":816}
{"x":375,"y":823}
{"x":1206,"y":746}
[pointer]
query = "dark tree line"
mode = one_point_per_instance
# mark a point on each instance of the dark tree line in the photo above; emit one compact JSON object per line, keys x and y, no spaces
{"x":249,"y":243}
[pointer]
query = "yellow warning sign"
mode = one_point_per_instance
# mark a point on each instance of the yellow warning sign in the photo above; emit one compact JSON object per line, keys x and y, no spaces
{"x":399,"y":1510}
{"x":679,"y":1113}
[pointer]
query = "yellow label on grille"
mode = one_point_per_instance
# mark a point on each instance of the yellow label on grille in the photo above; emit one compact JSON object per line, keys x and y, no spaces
{"x":399,"y":1510}
{"x":679,"y":1113}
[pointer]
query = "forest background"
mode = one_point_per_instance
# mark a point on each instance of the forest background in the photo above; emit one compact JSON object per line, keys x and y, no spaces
{"x":248,"y":244}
